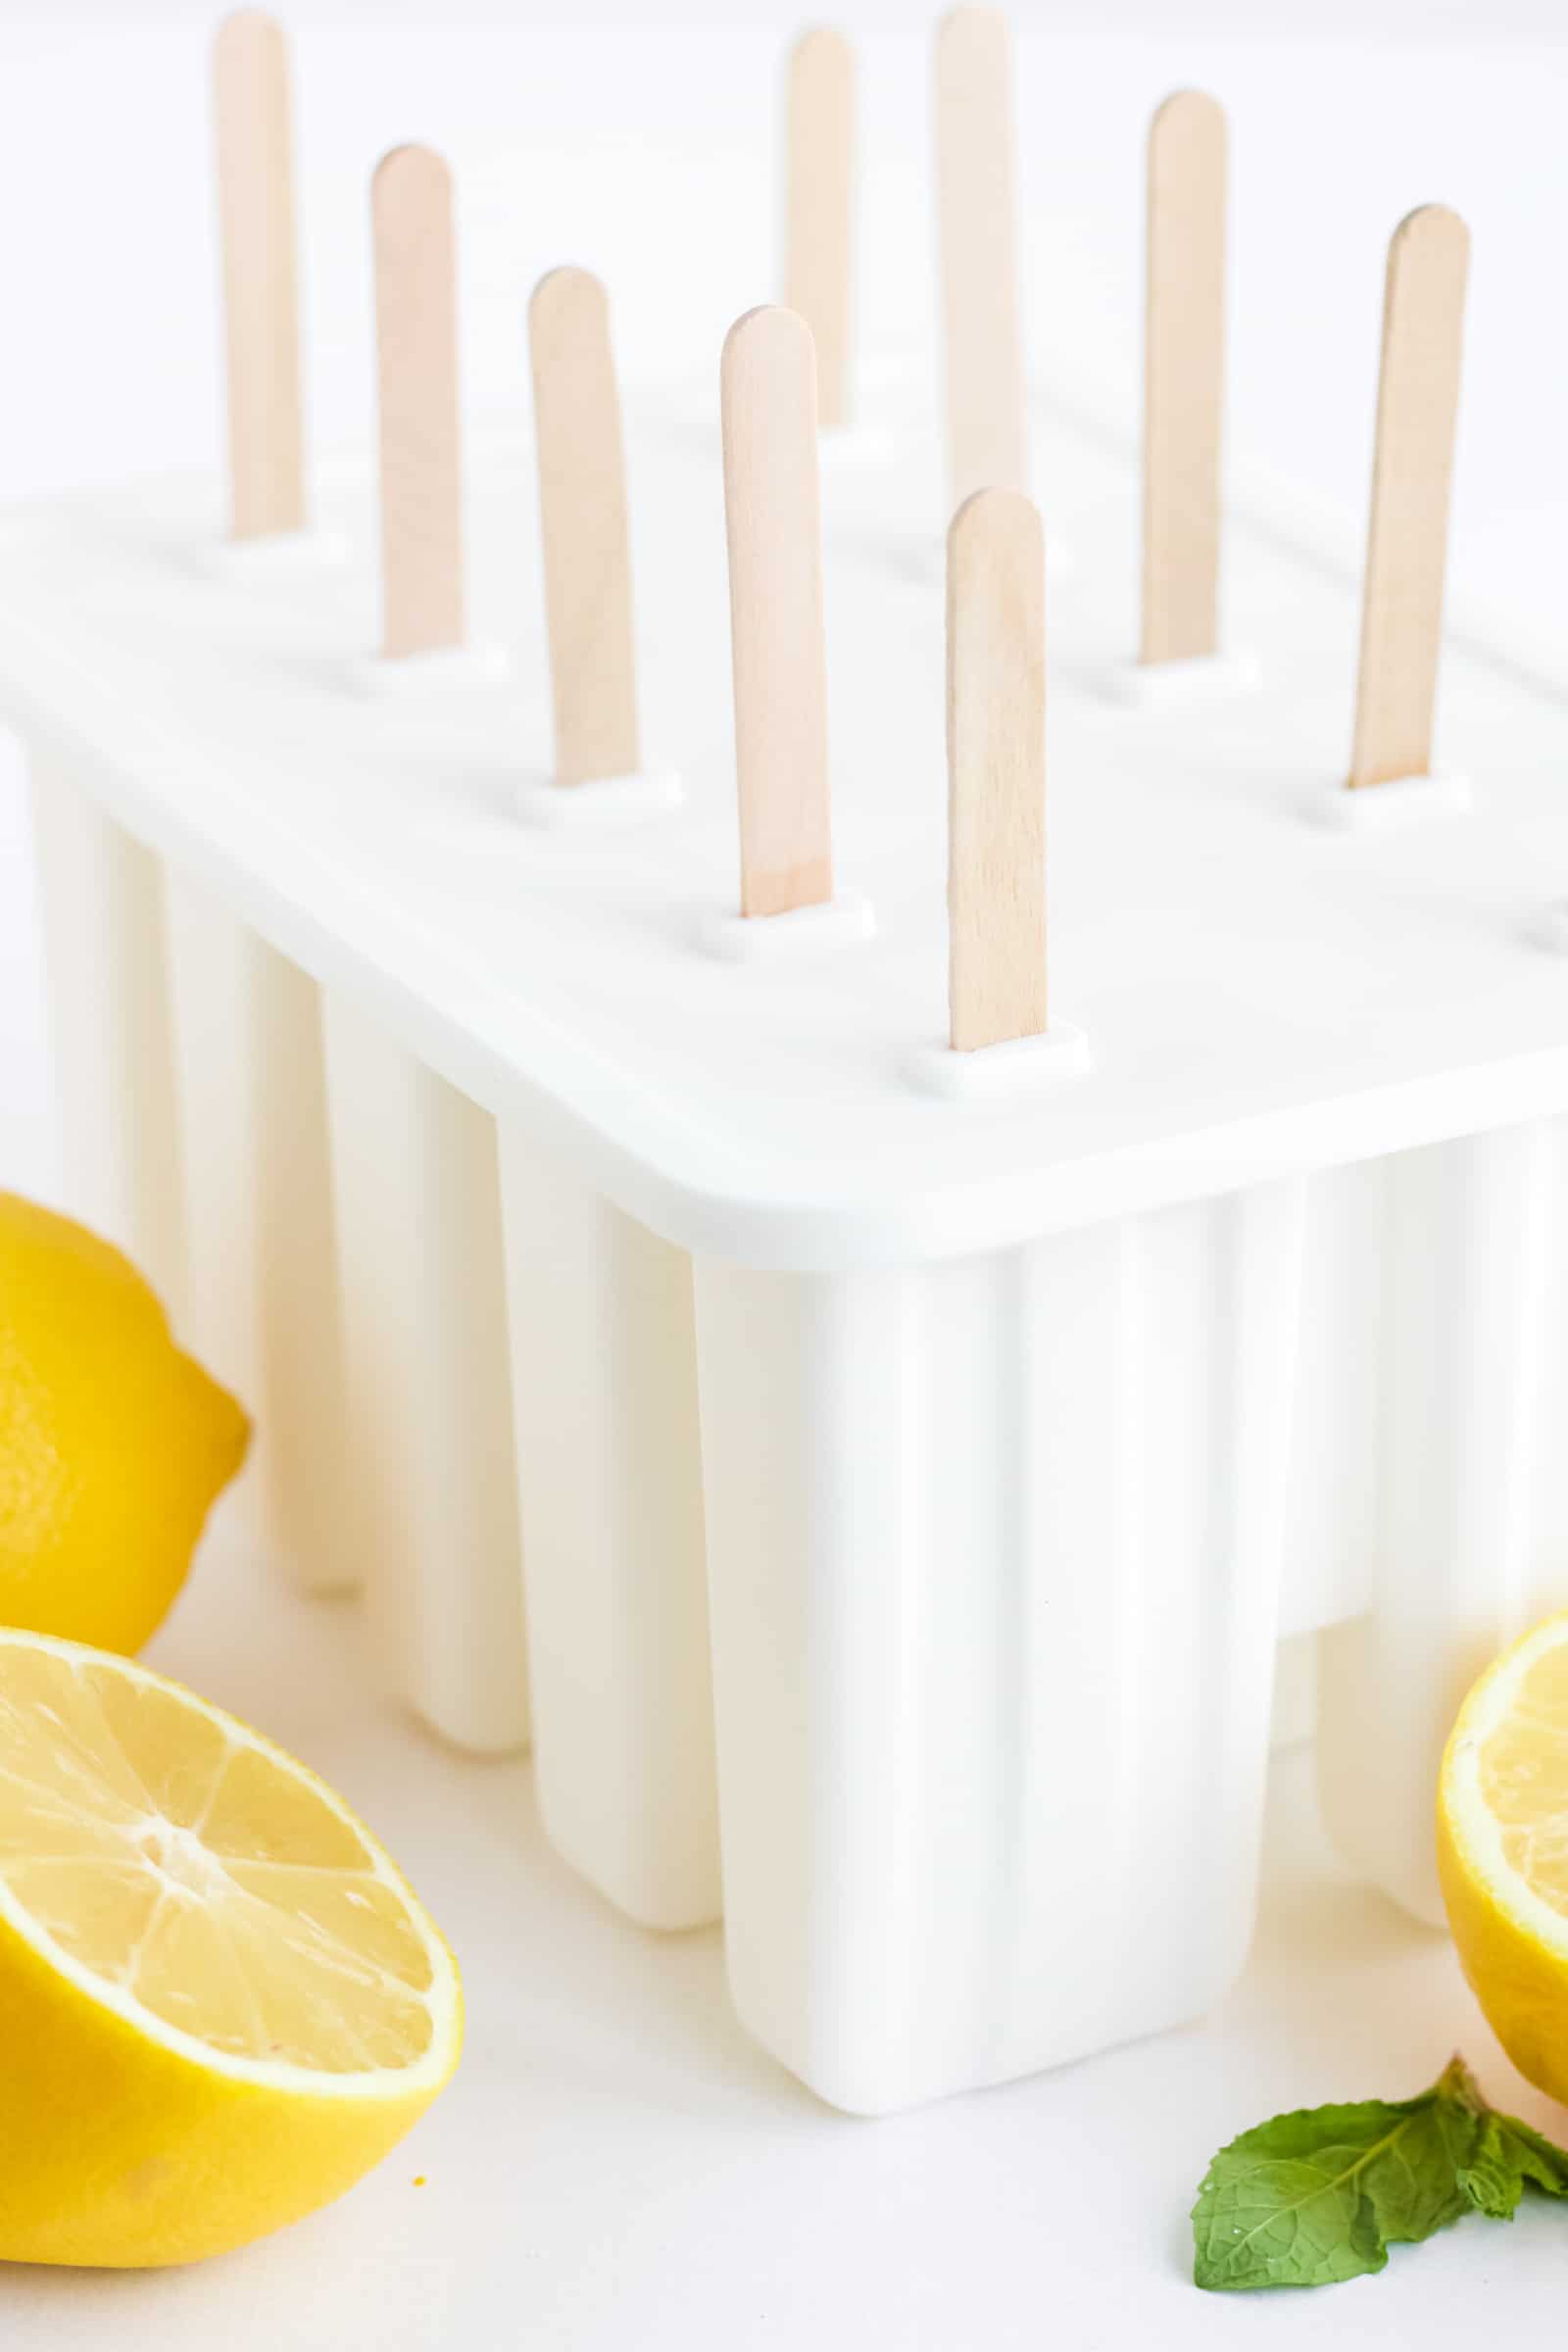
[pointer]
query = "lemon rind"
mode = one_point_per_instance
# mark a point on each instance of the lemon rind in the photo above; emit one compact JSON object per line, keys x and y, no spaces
{"x":1474,"y":1830}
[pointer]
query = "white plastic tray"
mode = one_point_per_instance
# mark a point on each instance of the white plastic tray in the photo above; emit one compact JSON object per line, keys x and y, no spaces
{"x":1014,"y":1428}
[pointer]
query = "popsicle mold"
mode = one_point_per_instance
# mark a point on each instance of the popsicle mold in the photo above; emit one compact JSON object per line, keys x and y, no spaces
{"x":906,"y":1493}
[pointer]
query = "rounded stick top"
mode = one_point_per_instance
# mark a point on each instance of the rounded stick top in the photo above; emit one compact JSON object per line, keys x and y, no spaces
{"x":584,"y":529}
{"x":416,"y":351}
{"x":1412,"y":473}
{"x":773,"y":512}
{"x":996,"y":770}
{"x":987,"y":428}
{"x":261,"y":305}
{"x":819,"y":206}
{"x":1184,"y":378}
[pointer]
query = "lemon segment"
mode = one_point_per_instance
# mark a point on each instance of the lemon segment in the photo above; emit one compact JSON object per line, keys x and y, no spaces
{"x":220,"y":2001}
{"x":113,"y":1442}
{"x":1503,"y":1850}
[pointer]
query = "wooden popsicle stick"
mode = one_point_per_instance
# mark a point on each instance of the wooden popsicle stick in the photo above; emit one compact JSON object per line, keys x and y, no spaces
{"x":981,"y":352}
{"x":1412,"y":472}
{"x":582,"y":514}
{"x":995,"y":771}
{"x":819,"y":206}
{"x":416,"y":352}
{"x":260,"y":297}
{"x":1184,"y":378}
{"x":773,"y":521}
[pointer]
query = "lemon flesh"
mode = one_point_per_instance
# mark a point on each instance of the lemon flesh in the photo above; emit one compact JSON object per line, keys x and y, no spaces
{"x":1503,"y":1850}
{"x":113,"y":1442}
{"x":220,"y":2001}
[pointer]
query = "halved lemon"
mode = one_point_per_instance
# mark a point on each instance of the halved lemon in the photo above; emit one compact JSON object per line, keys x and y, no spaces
{"x":221,"y":2003}
{"x":1502,"y":1850}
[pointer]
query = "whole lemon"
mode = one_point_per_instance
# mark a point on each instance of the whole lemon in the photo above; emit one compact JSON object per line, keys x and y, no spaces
{"x":112,"y":1444}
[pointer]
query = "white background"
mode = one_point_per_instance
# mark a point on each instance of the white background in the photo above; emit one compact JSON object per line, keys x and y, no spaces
{"x":615,"y":2166}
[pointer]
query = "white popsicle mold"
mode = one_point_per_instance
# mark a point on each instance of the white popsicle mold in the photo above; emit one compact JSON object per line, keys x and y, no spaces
{"x":215,"y":968}
{"x":610,"y":1472}
{"x":1015,"y":1427}
{"x":450,"y":669}
{"x":193,"y":1135}
{"x":824,"y":929}
{"x":634,"y":800}
{"x":300,"y":1398}
{"x":1468,"y":1549}
{"x":995,"y":1554}
{"x":211,"y":964}
{"x":1164,"y":687}
{"x":271,"y":557}
{"x":417,"y":1203}
{"x":1398,"y":805}
{"x":106,"y":960}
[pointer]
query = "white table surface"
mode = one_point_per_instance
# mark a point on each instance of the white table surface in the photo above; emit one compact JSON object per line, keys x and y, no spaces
{"x":615,"y":2166}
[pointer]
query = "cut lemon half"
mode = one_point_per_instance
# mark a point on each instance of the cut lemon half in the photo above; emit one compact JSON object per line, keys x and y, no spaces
{"x":1502,"y":1850}
{"x":221,"y":2003}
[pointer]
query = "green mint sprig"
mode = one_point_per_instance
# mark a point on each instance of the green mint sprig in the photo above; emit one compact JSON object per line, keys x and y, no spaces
{"x":1310,"y":2198}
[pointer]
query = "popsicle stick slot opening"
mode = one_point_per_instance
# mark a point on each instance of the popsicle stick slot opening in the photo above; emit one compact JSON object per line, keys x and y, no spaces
{"x":1412,"y":474}
{"x":416,"y":352}
{"x":772,"y":510}
{"x":583,"y":527}
{"x":988,"y":443}
{"x":819,"y":206}
{"x":260,"y":299}
{"x":995,"y":771}
{"x":1184,"y":376}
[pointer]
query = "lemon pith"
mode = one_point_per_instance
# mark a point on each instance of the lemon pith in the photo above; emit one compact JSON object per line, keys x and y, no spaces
{"x":113,"y":1442}
{"x":220,"y":2001}
{"x":1502,"y":1850}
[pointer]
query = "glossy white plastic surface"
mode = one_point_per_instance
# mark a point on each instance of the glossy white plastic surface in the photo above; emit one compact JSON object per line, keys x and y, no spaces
{"x":428,"y":1399}
{"x":1000,"y":1430}
{"x":300,"y":1400}
{"x":1164,"y":687}
{"x":610,"y":1471}
{"x":111,"y":1025}
{"x":1261,"y":995}
{"x":1468,"y":1531}
{"x":193,"y":1133}
{"x":995,"y":1551}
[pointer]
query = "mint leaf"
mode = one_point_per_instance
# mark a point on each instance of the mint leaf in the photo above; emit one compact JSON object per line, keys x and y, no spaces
{"x":1313,"y":2197}
{"x":1507,"y":2156}
{"x":1319,"y":2195}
